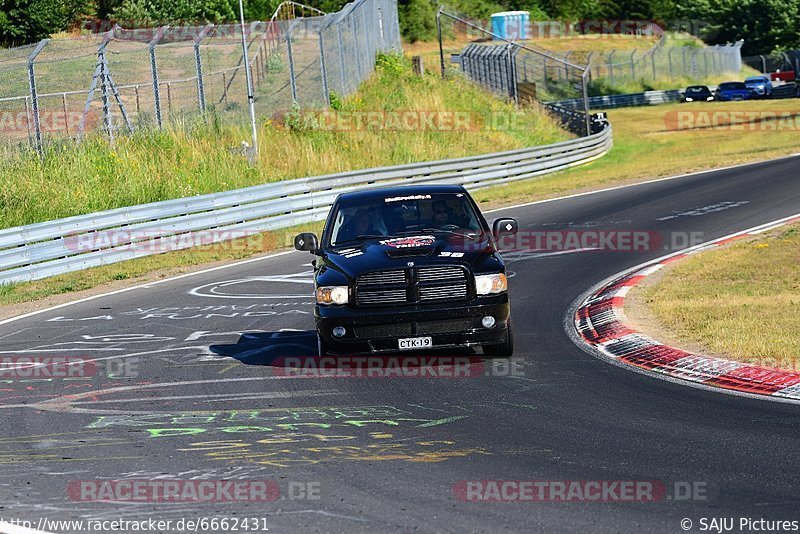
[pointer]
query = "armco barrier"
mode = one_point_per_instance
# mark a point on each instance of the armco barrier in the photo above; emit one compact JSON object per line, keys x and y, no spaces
{"x":47,"y":249}
{"x":647,"y":98}
{"x":652,"y":98}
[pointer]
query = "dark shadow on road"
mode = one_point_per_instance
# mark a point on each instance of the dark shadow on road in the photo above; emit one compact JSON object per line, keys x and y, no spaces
{"x":277,"y":348}
{"x":264,"y":348}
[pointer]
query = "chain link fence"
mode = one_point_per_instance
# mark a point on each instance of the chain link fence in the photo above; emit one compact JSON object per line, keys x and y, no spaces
{"x":533,"y":73}
{"x":778,"y":61}
{"x":515,"y":69}
{"x":122,"y":79}
{"x":666,"y":62}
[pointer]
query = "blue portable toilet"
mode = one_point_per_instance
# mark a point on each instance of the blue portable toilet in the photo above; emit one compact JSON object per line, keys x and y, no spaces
{"x":511,"y":25}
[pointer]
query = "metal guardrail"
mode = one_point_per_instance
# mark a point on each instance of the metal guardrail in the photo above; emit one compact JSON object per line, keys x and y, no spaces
{"x":647,"y":98}
{"x":55,"y":247}
{"x":652,"y":98}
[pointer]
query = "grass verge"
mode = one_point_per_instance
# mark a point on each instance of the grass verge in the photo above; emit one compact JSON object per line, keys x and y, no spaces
{"x":742,"y":301}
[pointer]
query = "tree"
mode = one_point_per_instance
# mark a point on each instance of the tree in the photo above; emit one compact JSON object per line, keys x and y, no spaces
{"x":417,"y":20}
{"x":765,"y":25}
{"x":27,"y":21}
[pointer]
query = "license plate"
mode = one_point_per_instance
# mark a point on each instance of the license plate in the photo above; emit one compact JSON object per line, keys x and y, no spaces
{"x":415,"y":343}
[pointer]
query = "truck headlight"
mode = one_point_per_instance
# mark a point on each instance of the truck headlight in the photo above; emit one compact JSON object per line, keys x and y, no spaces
{"x":487,"y":284}
{"x":332,"y":295}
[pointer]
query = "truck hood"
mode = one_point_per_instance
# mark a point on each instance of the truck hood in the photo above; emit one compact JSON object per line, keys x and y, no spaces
{"x":474,"y":250}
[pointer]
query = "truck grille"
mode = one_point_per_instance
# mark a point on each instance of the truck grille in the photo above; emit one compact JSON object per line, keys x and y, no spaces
{"x":412,"y":285}
{"x":447,"y":326}
{"x":382,"y":277}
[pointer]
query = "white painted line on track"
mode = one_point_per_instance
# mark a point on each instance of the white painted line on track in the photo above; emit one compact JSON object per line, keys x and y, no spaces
{"x":144,"y":286}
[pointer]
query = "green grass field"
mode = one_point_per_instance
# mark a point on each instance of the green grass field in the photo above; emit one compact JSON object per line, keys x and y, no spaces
{"x":742,"y":301}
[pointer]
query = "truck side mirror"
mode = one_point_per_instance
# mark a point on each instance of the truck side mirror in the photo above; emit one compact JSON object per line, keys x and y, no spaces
{"x":307,"y":241}
{"x":503,"y":227}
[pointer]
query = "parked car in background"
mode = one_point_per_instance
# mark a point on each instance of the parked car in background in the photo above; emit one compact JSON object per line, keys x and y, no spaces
{"x":760,"y":85}
{"x":698,"y":93}
{"x":783,"y":76}
{"x":728,"y":91}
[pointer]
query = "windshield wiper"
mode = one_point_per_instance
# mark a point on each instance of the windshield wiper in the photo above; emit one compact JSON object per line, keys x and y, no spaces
{"x":452,"y":232}
{"x":361,"y":237}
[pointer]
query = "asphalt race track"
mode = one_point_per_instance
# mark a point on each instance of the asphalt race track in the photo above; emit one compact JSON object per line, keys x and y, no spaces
{"x":180,"y":386}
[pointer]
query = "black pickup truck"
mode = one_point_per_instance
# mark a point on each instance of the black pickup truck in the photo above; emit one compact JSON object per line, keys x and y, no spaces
{"x":409,"y":268}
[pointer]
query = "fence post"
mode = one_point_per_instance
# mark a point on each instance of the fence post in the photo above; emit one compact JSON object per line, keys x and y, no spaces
{"x":683,"y":58}
{"x":368,"y":62}
{"x":633,"y":68}
{"x":589,"y":66}
{"x":154,"y":73}
{"x":28,"y":120}
{"x":439,"y":38}
{"x":611,"y":65}
{"x":380,"y":28}
{"x":64,"y":107}
{"x":669,"y":61}
{"x":512,"y":74}
{"x":586,"y":115}
{"x":98,"y":71}
{"x":763,"y":64}
{"x":104,"y":82}
{"x":35,"y":96}
{"x":323,"y":71}
{"x":653,"y":61}
{"x":290,"y":58}
{"x":354,"y":23}
{"x":566,"y":68}
{"x":201,"y":89}
{"x":341,"y":57}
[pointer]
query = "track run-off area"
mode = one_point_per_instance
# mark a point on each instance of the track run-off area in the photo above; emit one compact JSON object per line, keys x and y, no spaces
{"x":175,"y":382}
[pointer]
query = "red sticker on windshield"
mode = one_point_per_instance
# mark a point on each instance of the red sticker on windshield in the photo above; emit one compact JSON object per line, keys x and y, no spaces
{"x":410,"y":242}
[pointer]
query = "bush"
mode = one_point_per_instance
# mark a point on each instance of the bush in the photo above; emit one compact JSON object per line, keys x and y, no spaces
{"x":336,"y":101}
{"x":391,"y":64}
{"x":297,"y":121}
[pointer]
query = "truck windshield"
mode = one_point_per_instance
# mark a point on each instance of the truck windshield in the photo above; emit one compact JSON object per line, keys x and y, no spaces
{"x":359,"y":219}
